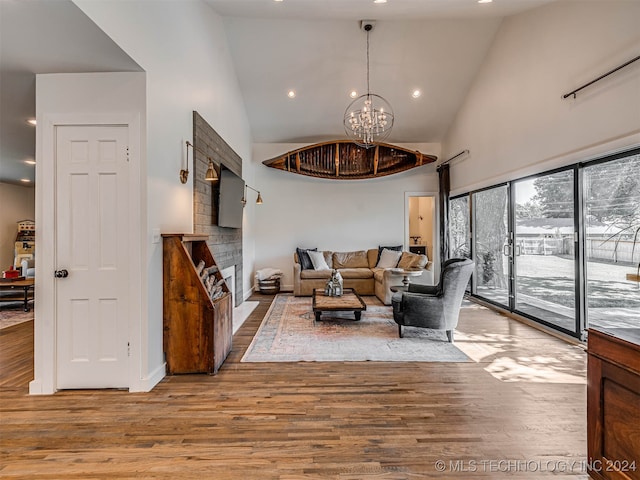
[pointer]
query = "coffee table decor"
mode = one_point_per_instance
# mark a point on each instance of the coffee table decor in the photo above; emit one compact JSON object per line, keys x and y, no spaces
{"x":334,"y":287}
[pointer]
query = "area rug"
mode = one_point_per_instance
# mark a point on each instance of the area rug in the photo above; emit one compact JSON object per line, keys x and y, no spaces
{"x":289,"y":333}
{"x":14,"y":316}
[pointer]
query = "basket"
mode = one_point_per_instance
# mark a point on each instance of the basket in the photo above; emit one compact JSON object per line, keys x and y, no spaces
{"x":269,"y":287}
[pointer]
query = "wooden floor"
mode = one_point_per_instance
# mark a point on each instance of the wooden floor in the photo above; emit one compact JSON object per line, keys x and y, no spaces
{"x":517,"y":410}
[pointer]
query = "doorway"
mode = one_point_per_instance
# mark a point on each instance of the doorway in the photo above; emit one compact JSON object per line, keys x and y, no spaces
{"x":115,"y":196}
{"x":420,"y":224}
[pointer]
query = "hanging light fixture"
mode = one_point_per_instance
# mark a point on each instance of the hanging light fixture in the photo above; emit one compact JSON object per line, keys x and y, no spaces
{"x":369,"y":118}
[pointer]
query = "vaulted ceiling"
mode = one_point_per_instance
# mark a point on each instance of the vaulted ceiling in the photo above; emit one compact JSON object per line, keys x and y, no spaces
{"x":314,"y":47}
{"x":317,"y":49}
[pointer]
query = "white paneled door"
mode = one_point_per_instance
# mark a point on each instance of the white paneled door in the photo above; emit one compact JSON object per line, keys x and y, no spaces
{"x":92,"y":284}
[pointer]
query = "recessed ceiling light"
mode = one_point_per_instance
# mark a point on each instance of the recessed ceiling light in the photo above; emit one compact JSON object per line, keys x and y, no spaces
{"x":277,"y":0}
{"x":379,"y":1}
{"x":416,"y":93}
{"x":30,"y":162}
{"x":353,"y":94}
{"x":291,"y":94}
{"x":31,"y":121}
{"x":485,"y":1}
{"x":25,"y":180}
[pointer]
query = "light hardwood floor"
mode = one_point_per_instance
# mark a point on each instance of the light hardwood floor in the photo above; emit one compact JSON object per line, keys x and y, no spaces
{"x":518,"y":410}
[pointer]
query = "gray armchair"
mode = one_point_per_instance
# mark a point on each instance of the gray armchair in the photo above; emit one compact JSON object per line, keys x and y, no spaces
{"x":436,"y":307}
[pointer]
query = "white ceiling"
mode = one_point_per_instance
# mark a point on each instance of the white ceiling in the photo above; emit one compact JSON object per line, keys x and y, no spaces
{"x":43,"y":36}
{"x":312,"y":46}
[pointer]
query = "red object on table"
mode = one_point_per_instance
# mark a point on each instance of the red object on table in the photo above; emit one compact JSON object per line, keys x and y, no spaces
{"x":11,"y":273}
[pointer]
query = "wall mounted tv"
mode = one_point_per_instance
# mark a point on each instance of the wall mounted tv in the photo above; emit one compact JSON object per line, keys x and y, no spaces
{"x":230,"y":206}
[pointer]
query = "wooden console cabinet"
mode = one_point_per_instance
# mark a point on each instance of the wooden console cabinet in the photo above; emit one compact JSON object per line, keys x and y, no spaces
{"x":198,"y":331}
{"x":613,"y":403}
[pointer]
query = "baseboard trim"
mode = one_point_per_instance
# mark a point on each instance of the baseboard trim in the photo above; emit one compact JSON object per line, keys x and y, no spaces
{"x":248,"y":294}
{"x":147,"y":383}
{"x":36,"y":387}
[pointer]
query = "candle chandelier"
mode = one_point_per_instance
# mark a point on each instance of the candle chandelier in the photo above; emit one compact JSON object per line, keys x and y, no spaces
{"x":369,"y":118}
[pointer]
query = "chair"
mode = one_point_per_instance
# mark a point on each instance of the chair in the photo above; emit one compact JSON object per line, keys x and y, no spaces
{"x":436,"y":307}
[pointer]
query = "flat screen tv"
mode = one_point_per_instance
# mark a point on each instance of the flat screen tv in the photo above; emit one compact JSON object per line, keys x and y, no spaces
{"x":230,"y":199}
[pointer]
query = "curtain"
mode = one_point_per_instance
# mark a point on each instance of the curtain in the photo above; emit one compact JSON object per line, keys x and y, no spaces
{"x":445,"y":188}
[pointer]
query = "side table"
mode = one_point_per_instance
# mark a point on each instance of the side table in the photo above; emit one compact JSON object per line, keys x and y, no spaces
{"x":406,"y":274}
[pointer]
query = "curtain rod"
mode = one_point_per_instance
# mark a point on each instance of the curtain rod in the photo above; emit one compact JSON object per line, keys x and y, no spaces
{"x":454,"y":157}
{"x":600,"y":77}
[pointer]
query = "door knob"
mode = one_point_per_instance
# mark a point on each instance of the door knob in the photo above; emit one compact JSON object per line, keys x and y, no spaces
{"x":61,"y":273}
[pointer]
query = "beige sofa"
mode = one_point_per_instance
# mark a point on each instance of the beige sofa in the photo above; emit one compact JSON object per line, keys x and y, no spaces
{"x":359,"y":271}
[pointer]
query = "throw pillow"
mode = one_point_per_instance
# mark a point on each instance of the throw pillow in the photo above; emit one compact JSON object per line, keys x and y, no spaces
{"x":388,"y":258}
{"x":317,"y":258}
{"x":380,"y":248}
{"x":412,"y":261}
{"x":303,"y":258}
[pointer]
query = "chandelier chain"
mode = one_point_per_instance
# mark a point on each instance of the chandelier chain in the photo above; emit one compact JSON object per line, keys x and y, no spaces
{"x":368,"y":88}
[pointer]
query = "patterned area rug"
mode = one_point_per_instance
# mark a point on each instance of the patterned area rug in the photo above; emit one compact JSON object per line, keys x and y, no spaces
{"x":12,"y":316}
{"x":289,"y":333}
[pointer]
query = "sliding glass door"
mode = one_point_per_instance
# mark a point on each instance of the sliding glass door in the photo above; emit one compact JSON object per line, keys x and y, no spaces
{"x":612,"y":241}
{"x":459,"y":227}
{"x":561,"y":248}
{"x":544,"y":246}
{"x":491,"y":251}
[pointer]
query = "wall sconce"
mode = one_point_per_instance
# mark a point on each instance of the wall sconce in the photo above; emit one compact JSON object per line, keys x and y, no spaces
{"x":244,"y":198}
{"x":211,"y":175}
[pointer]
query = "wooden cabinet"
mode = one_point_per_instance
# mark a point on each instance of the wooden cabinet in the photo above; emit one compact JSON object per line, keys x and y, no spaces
{"x":613,"y":403}
{"x":419,"y":249}
{"x":198,"y":330}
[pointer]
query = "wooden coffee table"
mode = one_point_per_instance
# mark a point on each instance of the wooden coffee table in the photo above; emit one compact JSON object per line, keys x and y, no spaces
{"x":349,"y":301}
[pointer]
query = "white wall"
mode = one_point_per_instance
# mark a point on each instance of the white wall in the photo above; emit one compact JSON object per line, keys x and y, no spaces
{"x":338,"y":215}
{"x":18,"y":203}
{"x":514,"y":120}
{"x":182,"y":47}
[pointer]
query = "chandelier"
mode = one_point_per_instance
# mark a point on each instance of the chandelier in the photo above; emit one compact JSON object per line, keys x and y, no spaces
{"x":369,"y":118}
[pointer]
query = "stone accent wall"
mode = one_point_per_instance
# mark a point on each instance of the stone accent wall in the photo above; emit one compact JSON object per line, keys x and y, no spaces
{"x":225,"y":243}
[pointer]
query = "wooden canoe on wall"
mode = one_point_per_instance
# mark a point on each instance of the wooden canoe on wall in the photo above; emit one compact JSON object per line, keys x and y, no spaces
{"x":344,"y":160}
